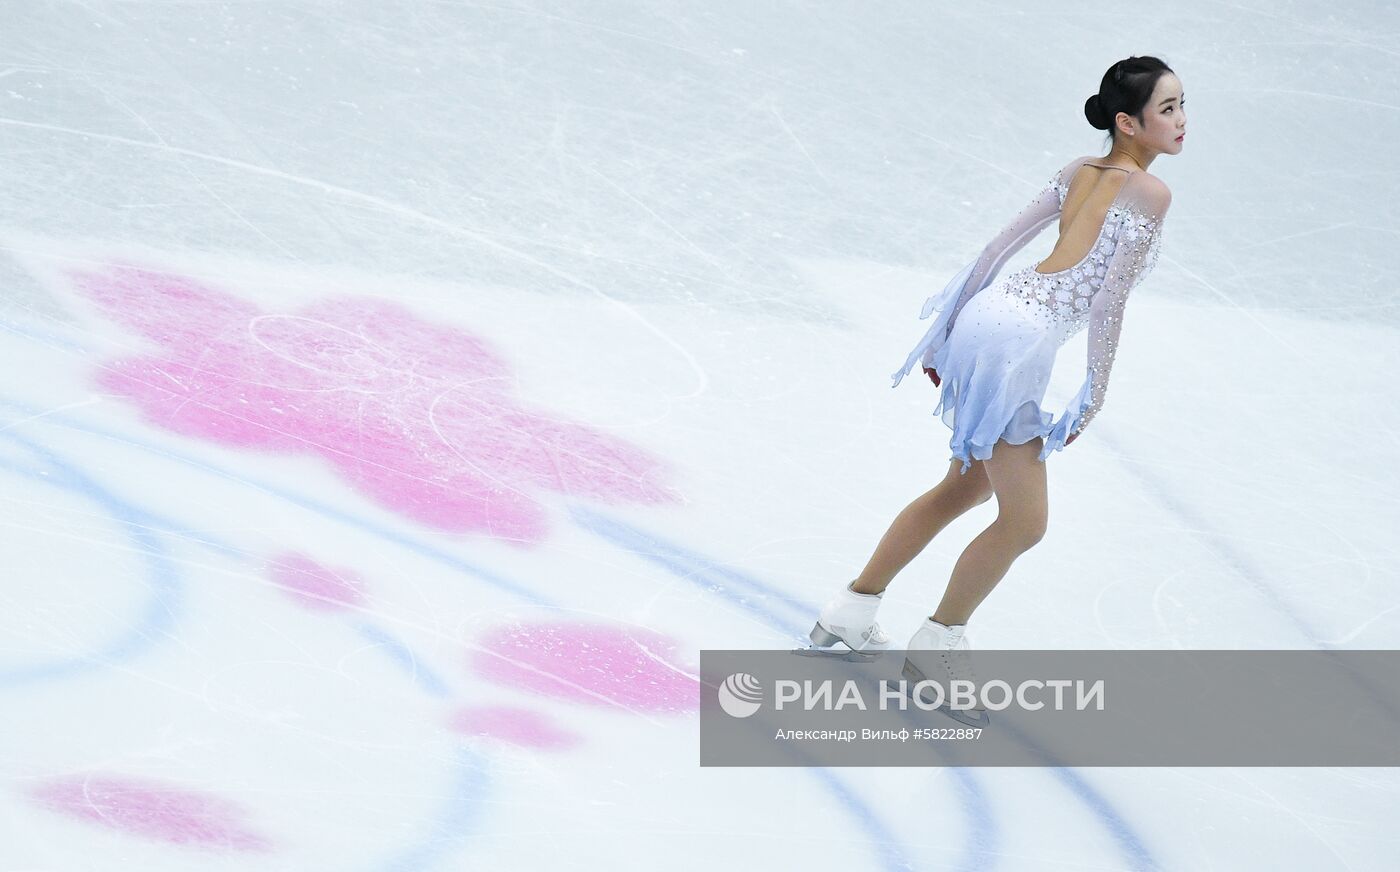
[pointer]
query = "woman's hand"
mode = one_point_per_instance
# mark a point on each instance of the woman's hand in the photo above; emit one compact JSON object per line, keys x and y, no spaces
{"x":1075,"y":435}
{"x":933,"y":374}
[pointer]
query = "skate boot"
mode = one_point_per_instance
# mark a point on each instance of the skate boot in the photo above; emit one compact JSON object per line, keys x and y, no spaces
{"x":939,"y":653}
{"x":849,"y":617}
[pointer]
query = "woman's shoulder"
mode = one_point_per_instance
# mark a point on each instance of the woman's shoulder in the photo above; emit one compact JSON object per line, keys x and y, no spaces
{"x":1149,"y":187}
{"x":1156,"y":191}
{"x":1098,"y":158}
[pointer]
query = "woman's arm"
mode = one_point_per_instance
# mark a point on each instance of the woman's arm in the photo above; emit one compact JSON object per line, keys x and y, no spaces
{"x":1035,"y":217}
{"x":1042,"y":209}
{"x":1134,"y":256}
{"x":1132,"y":260}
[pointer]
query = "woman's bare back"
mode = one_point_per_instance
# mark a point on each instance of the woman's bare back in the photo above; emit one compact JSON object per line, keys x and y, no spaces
{"x":1092,"y":192}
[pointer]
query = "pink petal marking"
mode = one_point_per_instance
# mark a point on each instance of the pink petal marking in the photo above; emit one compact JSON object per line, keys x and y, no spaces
{"x":315,"y":586}
{"x":150,"y":809}
{"x":596,"y":664}
{"x":516,"y":726}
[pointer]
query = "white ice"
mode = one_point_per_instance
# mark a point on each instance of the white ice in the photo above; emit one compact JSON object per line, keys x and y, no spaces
{"x":451,"y":329}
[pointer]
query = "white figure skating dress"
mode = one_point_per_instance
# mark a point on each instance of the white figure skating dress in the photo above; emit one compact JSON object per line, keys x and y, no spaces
{"x":993,"y":344}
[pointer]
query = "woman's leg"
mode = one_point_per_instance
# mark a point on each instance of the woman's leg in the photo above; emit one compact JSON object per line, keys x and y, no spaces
{"x":1018,"y":478}
{"x":921,"y":520}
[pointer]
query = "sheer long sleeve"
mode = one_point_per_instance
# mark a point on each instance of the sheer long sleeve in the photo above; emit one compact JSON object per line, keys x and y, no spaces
{"x":1134,"y":256}
{"x":977,"y":275}
{"x":1027,"y":224}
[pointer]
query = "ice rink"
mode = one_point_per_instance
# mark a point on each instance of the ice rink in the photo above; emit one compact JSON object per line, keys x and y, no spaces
{"x":396,"y":397}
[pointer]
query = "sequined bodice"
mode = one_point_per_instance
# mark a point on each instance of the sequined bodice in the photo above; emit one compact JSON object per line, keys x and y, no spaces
{"x":1064,"y":297}
{"x":1091,"y":294}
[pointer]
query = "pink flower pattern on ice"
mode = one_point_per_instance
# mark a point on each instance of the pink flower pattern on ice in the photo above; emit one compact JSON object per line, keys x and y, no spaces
{"x":421,"y":419}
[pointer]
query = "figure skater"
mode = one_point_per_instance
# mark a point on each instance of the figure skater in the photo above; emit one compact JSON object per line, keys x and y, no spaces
{"x":991,"y":350}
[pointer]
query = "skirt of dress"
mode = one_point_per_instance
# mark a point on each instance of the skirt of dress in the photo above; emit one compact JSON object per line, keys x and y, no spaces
{"x":995,"y":368}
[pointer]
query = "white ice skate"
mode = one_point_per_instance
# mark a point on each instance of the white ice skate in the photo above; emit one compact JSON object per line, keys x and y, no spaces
{"x":939,"y":653}
{"x":849,"y":617}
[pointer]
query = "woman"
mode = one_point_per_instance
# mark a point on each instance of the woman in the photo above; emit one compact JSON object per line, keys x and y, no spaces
{"x":991,"y":350}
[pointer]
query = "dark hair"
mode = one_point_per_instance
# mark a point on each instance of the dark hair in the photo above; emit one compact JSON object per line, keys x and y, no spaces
{"x":1126,"y":87}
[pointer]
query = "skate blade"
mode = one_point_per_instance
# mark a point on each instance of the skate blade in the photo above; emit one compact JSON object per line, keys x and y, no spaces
{"x":822,"y":637}
{"x":837,"y":653}
{"x":966,"y":717}
{"x":970,"y":719}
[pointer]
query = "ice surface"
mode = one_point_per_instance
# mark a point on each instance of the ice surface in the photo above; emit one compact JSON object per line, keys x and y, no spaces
{"x":398,"y":396}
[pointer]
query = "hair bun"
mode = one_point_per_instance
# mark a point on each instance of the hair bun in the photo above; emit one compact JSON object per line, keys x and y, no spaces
{"x":1093,"y":110}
